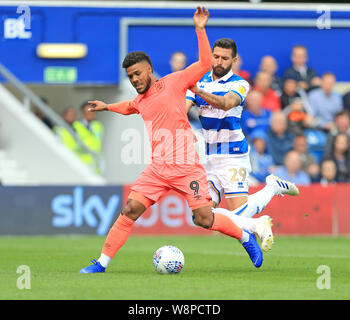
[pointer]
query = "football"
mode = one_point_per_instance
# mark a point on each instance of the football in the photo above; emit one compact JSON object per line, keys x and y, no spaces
{"x":168,"y":260}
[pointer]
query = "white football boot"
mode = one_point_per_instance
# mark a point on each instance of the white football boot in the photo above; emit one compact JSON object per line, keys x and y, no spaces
{"x":263,"y":229}
{"x":282,"y":187}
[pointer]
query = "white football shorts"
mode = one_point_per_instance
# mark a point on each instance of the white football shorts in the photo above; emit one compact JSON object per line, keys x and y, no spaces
{"x":228,"y":176}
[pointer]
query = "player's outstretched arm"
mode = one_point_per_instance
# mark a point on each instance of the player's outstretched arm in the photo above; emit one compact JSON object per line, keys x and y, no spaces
{"x":195,"y":71}
{"x":226,"y":102}
{"x":124,"y":107}
{"x":97,"y":105}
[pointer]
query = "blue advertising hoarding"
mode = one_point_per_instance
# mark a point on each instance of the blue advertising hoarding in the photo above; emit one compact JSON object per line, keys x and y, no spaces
{"x":59,"y":210}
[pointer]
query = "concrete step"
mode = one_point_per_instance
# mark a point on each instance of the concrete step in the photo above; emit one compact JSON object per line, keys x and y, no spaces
{"x":10,"y":172}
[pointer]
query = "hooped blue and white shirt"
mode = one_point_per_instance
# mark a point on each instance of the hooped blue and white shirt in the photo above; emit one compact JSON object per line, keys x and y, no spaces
{"x":222,"y":129}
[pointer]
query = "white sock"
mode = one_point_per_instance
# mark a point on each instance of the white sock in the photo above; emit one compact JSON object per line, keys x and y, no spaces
{"x":258,"y":201}
{"x":242,"y":222}
{"x":245,"y":237}
{"x":104,"y":260}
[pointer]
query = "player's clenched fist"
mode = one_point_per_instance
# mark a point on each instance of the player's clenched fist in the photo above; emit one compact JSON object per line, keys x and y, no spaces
{"x":200,"y":18}
{"x":97,"y":106}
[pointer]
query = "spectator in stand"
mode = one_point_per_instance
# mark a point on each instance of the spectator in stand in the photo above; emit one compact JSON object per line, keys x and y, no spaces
{"x":91,"y":132}
{"x":269,"y":64}
{"x":178,"y":61}
{"x":69,"y":115}
{"x":236,"y":69}
{"x":308,"y":162}
{"x":254,"y":117}
{"x":328,"y":172}
{"x":340,"y":154}
{"x":270,"y":100}
{"x":70,"y":142}
{"x":289,"y":92}
{"x":341,"y":125}
{"x":306,"y":77}
{"x":292,"y":171}
{"x":279,"y":139}
{"x":325,"y":102}
{"x":42,"y":116}
{"x":298,"y":119}
{"x":346,"y":101}
{"x":262,"y":163}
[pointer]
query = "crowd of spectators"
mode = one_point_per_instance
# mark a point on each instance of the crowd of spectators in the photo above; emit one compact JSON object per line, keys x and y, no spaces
{"x":298,"y":126}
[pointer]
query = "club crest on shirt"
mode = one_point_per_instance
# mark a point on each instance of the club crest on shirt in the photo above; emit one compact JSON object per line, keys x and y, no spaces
{"x":159,"y":85}
{"x":241,"y":90}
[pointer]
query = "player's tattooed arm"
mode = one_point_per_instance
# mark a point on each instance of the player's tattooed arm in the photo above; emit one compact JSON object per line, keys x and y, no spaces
{"x":226,"y":102}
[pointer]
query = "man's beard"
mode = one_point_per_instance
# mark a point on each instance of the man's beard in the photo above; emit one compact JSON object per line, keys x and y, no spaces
{"x":221,"y":72}
{"x":148,"y":85}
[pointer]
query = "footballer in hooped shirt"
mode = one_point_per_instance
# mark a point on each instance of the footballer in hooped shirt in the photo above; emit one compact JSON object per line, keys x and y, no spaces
{"x":219,"y":97}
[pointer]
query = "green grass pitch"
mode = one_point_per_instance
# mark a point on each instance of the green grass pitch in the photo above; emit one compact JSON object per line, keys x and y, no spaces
{"x":216,"y":268}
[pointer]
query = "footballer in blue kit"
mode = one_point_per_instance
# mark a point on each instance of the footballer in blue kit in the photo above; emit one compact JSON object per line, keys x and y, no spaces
{"x":219,"y":97}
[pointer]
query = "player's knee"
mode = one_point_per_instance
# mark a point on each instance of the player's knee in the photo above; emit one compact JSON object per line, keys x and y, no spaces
{"x":133,"y":209}
{"x":195,"y":221}
{"x":204,"y":221}
{"x":130,"y":211}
